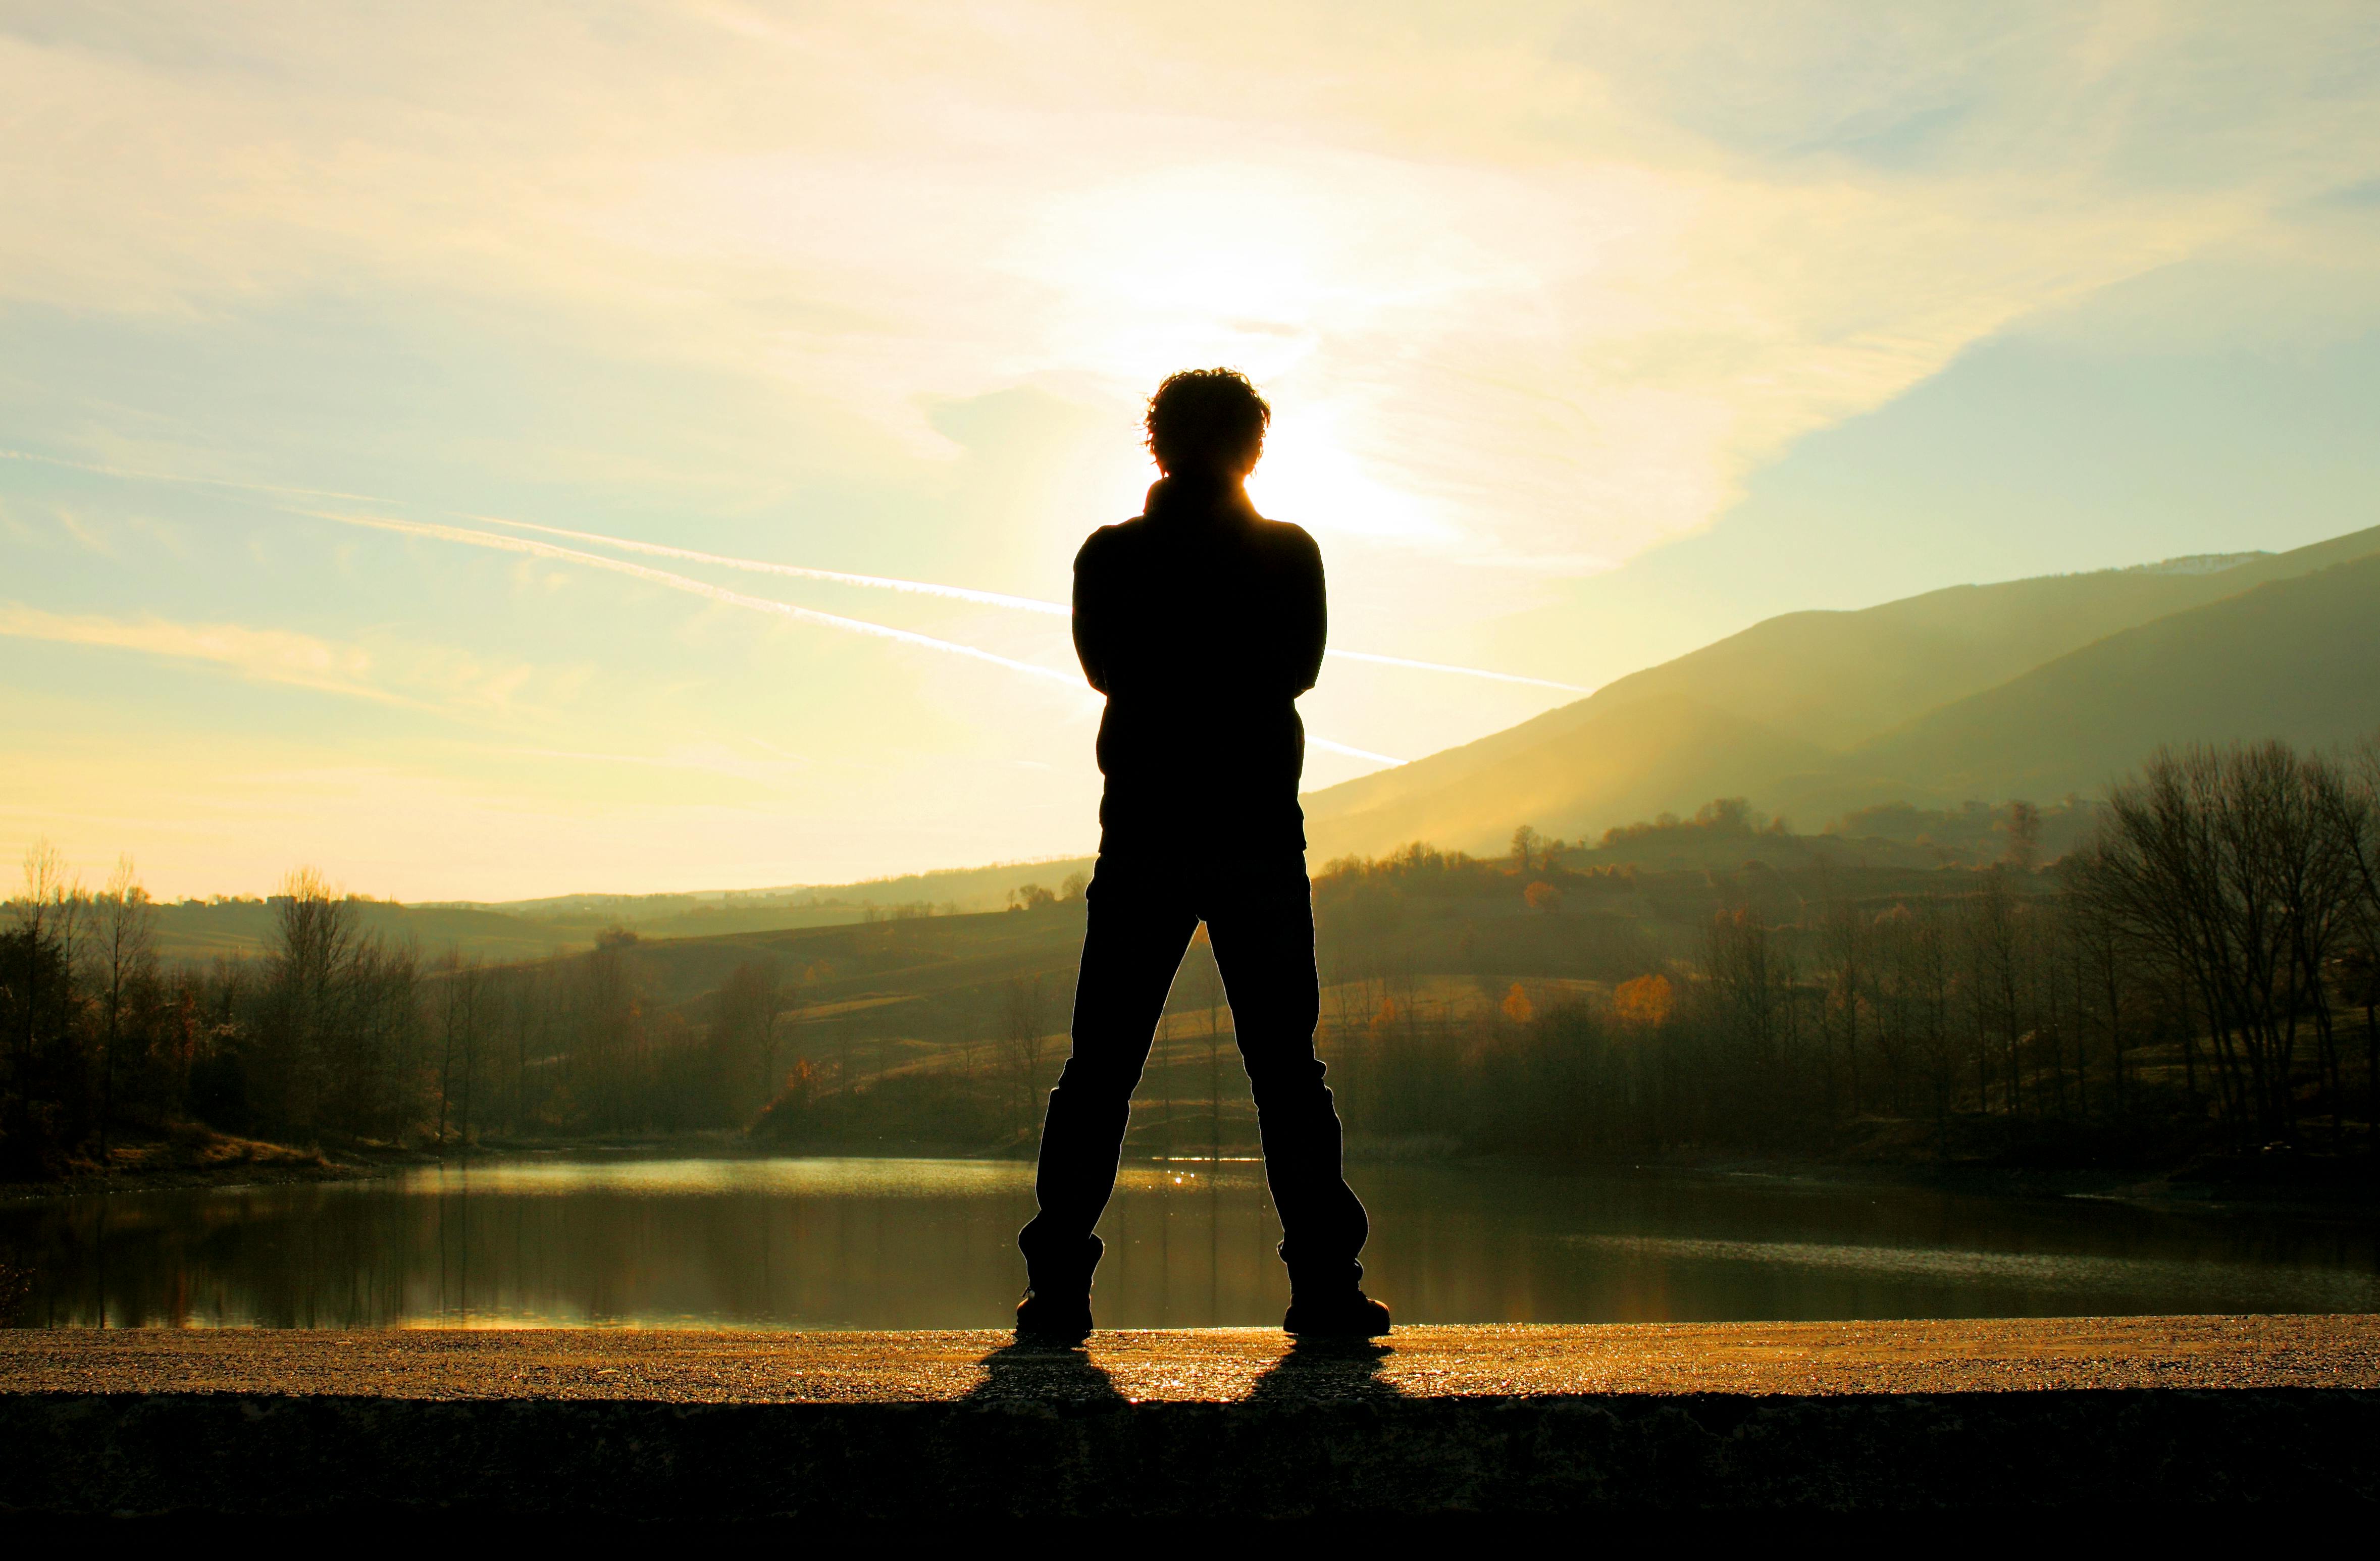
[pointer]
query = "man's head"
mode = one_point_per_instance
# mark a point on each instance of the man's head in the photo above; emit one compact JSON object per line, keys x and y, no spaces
{"x":1207,"y":421}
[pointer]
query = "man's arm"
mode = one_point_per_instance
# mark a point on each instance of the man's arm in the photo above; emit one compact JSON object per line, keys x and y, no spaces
{"x":1092,"y":634}
{"x":1309,"y":615}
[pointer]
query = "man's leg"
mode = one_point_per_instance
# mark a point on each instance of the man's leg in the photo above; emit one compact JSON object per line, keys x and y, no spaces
{"x":1139,"y":930}
{"x":1261,"y":919}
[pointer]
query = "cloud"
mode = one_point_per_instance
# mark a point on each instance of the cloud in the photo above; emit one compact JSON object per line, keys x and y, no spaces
{"x":435,"y":679}
{"x":715,"y":759}
{"x":263,"y":655}
{"x":87,"y":536}
{"x":694,"y":555}
{"x":703,"y":588}
{"x":1535,"y":289}
{"x":500,"y":543}
{"x":1546,"y":285}
{"x":980,"y":599}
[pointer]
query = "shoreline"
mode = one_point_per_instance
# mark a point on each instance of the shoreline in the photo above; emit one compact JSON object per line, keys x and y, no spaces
{"x":2302,"y":1185}
{"x":2349,"y":1196}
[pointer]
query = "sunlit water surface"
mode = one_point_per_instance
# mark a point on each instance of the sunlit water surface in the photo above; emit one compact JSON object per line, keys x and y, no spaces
{"x":884,"y":1243}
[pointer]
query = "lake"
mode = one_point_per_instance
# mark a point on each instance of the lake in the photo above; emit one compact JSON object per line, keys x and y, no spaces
{"x":926,"y":1243}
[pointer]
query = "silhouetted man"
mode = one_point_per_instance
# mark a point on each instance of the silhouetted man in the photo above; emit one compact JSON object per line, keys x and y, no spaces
{"x":1202,"y":622}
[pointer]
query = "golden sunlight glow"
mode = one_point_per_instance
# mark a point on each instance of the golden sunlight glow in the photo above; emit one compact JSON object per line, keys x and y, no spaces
{"x":863,"y":303}
{"x":1307,"y":477}
{"x":1198,"y":266}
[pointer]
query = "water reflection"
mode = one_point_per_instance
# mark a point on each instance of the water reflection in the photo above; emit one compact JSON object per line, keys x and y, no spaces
{"x":877,"y":1243}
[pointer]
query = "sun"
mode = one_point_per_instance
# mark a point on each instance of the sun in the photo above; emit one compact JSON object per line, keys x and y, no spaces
{"x":1309,"y":475}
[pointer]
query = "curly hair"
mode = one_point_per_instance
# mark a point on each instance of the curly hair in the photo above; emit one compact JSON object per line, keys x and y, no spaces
{"x":1204,"y":417}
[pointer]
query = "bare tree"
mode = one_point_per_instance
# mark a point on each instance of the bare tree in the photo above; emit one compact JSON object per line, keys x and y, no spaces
{"x":2107,"y":962}
{"x":1024,"y":1032}
{"x":49,"y":913}
{"x":124,"y":953}
{"x":1748,"y":987}
{"x":2233,"y":866}
{"x":743,"y":1037}
{"x":1844,"y":956}
{"x":1994,"y":947}
{"x":462,"y":993}
{"x":2022,"y":830}
{"x":610,"y":1029}
{"x":312,"y":963}
{"x":2354,"y":834}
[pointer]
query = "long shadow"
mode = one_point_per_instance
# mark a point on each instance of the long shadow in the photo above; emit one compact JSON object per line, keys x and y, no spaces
{"x":1046,"y":1373}
{"x":1328,"y":1372}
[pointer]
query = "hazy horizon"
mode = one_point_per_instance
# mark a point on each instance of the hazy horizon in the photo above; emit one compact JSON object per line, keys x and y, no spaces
{"x":368,"y":384}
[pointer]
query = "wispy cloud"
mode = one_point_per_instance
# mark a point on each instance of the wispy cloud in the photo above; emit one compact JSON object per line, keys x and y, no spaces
{"x":791,"y":571}
{"x":759,"y":566}
{"x":713,"y":759}
{"x":264,"y":655}
{"x":278,"y":655}
{"x":1535,"y":289}
{"x":1529,"y":278}
{"x":244,"y":485}
{"x":981,"y":599}
{"x":534,"y":549}
{"x":433,"y":679}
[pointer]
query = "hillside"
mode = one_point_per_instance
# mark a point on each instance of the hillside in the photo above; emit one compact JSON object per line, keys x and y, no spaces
{"x":1819,"y":712}
{"x":194,"y":929}
{"x":941,"y":981}
{"x":2034,"y":688}
{"x":2298,"y":659}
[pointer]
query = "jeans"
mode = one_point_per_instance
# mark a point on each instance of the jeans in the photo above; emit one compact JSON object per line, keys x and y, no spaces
{"x":1259,"y":916}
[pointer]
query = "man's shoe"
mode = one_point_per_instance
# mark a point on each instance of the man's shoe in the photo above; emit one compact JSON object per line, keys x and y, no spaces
{"x":1049,"y":1319}
{"x":1349,"y":1314}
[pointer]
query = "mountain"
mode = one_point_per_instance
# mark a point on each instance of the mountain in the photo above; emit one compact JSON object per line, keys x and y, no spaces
{"x":2296,"y":658}
{"x":1817,"y":712}
{"x":521,"y":930}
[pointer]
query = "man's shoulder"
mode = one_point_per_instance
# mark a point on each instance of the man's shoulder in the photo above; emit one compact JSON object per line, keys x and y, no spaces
{"x":1111,"y":541}
{"x":1287,"y":534}
{"x":1275,"y":538}
{"x":1287,"y":539}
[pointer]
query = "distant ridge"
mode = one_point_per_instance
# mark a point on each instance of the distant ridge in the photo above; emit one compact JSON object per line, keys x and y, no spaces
{"x":972,"y":888}
{"x":532,"y":929}
{"x":1824,"y":711}
{"x":2196,"y":563}
{"x":2295,"y":659}
{"x":2037,"y":688}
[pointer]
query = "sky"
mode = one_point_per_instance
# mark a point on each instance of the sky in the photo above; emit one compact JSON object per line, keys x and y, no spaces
{"x":496,"y":452}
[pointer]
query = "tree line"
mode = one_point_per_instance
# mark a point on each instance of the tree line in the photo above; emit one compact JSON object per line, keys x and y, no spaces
{"x":338,"y":1035}
{"x":2202,"y":972}
{"x":343,"y":1037}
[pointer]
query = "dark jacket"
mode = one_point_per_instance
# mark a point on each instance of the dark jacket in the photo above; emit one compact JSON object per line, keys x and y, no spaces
{"x":1202,"y":622}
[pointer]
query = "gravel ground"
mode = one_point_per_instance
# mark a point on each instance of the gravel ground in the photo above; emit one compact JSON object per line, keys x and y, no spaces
{"x":1210,"y":1365}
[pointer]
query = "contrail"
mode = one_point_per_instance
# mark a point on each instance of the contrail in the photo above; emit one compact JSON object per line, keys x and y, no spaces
{"x":959,"y":593}
{"x":138,"y":474}
{"x":737,"y":598}
{"x":693,"y":586}
{"x":799,"y":572}
{"x":763,"y":566}
{"x":1325,"y":743}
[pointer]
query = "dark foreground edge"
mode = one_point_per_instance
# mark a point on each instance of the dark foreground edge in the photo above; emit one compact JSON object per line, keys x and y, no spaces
{"x":925,"y":1428}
